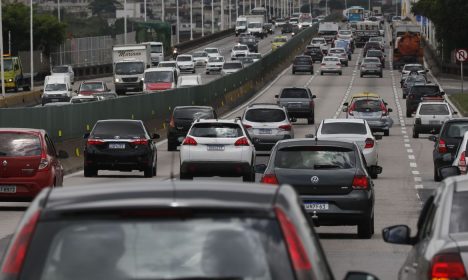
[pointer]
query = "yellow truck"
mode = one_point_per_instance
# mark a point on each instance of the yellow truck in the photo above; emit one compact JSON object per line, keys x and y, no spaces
{"x":14,"y":76}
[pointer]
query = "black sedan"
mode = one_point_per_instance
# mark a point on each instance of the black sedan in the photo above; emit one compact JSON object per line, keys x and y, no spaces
{"x":122,"y":145}
{"x":331,"y":179}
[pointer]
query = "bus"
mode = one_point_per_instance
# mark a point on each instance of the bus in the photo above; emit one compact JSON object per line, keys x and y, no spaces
{"x":355,"y":13}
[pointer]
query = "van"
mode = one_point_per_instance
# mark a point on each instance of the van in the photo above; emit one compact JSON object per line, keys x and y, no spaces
{"x":57,"y":88}
{"x":158,"y":79}
{"x":157,"y":52}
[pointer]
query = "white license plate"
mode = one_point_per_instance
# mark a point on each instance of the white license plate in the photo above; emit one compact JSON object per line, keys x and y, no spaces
{"x":215,"y":147}
{"x":7,"y":189}
{"x":55,"y":100}
{"x":315,"y":206}
{"x":264,"y":131}
{"x":434,"y":122}
{"x":116,"y":146}
{"x":294,"y":105}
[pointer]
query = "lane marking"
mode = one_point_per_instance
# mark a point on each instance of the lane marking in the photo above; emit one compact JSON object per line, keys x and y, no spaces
{"x":413,"y":164}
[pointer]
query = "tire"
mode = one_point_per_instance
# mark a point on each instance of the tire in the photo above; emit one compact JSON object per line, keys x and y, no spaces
{"x":171,"y":147}
{"x":249,"y":177}
{"x":437,"y":177}
{"x":341,"y":73}
{"x":415,"y":134}
{"x":312,"y":72}
{"x":193,"y":72}
{"x":89,"y":171}
{"x":185,"y":176}
{"x":207,"y":72}
{"x":381,"y":75}
{"x":408,"y":114}
{"x":321,"y":73}
{"x":386,"y":132}
{"x":362,"y":75}
{"x":366,"y":228}
{"x":293,"y":72}
{"x":155,"y":170}
{"x":311,"y":120}
{"x":26,"y":88}
{"x":148,"y":172}
{"x":346,"y":64}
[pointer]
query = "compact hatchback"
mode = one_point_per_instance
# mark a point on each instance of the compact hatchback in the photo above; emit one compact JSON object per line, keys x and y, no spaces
{"x":230,"y":67}
{"x":299,"y":102}
{"x":331,"y":64}
{"x":410,"y":81}
{"x":371,"y":66}
{"x":303,"y":63}
{"x":92,"y":87}
{"x":185,"y":63}
{"x":315,"y":52}
{"x":341,"y":54}
{"x":430,"y":116}
{"x":372,"y":109}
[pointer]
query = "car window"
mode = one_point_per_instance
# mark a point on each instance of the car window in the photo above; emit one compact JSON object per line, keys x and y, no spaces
{"x":459,"y":212}
{"x":91,"y":86}
{"x":367,"y":105}
{"x":371,"y":60}
{"x":425,"y":90}
{"x":184,"y":58}
{"x":193,"y":113}
{"x":314,"y":157}
{"x":118,"y":129}
{"x":232,"y":65}
{"x":159,"y":77}
{"x":265,"y":115}
{"x":343,"y":128}
{"x":413,"y":68}
{"x":60,"y":69}
{"x":19,"y":145}
{"x":50,"y":147}
{"x":434,"y":109}
{"x":330,"y":59}
{"x":455,"y":129}
{"x":302,"y":60}
{"x":216,"y":130}
{"x":294,"y":93}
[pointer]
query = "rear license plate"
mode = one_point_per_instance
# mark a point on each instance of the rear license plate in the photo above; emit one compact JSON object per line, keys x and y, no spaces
{"x":316,"y":206}
{"x":116,"y":146}
{"x":434,"y":122}
{"x":7,"y":189}
{"x":294,"y":105}
{"x":264,"y":131}
{"x":215,"y":147}
{"x":55,"y":100}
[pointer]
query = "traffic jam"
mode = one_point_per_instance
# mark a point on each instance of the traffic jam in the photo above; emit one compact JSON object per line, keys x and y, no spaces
{"x":277,"y":188}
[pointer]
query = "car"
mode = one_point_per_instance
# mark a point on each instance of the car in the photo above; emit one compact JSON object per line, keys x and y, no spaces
{"x":422,"y":92}
{"x":446,"y":143}
{"x":30,"y":163}
{"x":230,"y":67}
{"x":320,"y":42}
{"x":215,"y":64}
{"x":84,"y":99}
{"x":379,"y":39}
{"x":331,"y":179}
{"x":372,"y":46}
{"x":353,"y":130}
{"x":200,"y":58}
{"x":280,"y":22}
{"x":299,"y":102}
{"x":430,"y":116}
{"x":189,"y":81}
{"x":66,"y":70}
{"x":239,"y":50}
{"x":346,"y":45}
{"x":246,"y":61}
{"x":331,"y":64}
{"x":437,"y":248}
{"x":410,"y":81}
{"x":169,"y":64}
{"x":286,"y":28}
{"x":371,"y":66}
{"x":120,"y":144}
{"x":267,"y":124}
{"x":212,"y":51}
{"x":269,"y":28}
{"x":92,"y":87}
{"x":255,"y":56}
{"x":303,"y":63}
{"x":415,"y":68}
{"x":340,"y":53}
{"x":251,"y":42}
{"x":278,"y":41}
{"x":372,"y":109}
{"x":217,"y":147}
{"x":459,"y":161}
{"x":182,"y":118}
{"x":185,"y":63}
{"x":157,"y":79}
{"x":118,"y":231}
{"x":315,"y":52}
{"x":345,"y":34}
{"x":106,"y":95}
{"x":377,"y":53}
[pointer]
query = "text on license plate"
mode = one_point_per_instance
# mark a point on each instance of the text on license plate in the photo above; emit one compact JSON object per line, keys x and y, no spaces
{"x":294,"y":105}
{"x":7,"y":189}
{"x":264,"y":131}
{"x":215,"y":147}
{"x":315,"y":206}
{"x":434,"y":122}
{"x":116,"y":146}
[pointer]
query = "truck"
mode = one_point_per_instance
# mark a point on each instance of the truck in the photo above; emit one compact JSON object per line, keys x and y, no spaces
{"x":402,"y":27}
{"x":14,"y":76}
{"x":241,"y":25}
{"x":255,"y":25}
{"x":408,"y":49}
{"x":365,"y":30}
{"x":129,"y":63}
{"x":157,"y":52}
{"x":328,"y":30}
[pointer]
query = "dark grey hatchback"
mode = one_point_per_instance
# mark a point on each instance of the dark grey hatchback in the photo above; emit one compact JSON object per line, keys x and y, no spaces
{"x":331,"y":178}
{"x":303,"y":63}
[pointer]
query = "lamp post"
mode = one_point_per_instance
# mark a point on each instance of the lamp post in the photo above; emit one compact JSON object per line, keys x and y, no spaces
{"x":222,"y":15}
{"x":144,"y":3}
{"x":191,"y":19}
{"x":212,"y":16}
{"x":177,"y":21}
{"x":202,"y":18}
{"x":31,"y":46}
{"x":162,"y":11}
{"x":2,"y":67}
{"x":125,"y":22}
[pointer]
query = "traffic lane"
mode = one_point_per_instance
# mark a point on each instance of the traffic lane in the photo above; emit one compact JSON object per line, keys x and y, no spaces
{"x":10,"y":214}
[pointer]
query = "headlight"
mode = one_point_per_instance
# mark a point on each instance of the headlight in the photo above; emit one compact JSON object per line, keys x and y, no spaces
{"x":117,"y":80}
{"x":10,"y":80}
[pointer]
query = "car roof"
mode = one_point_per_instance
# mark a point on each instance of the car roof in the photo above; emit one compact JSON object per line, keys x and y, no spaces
{"x":334,"y":57}
{"x":315,"y":142}
{"x":119,"y":120}
{"x":265,"y":105}
{"x":433,"y":103}
{"x":193,"y":107}
{"x":343,"y":121}
{"x":218,"y":121}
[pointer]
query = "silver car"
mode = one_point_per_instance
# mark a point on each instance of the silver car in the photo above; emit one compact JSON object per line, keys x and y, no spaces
{"x":373,"y":110}
{"x":341,"y":54}
{"x":267,"y":124}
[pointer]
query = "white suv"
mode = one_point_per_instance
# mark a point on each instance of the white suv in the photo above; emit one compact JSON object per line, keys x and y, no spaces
{"x":239,"y":50}
{"x":185,"y":63}
{"x":430,"y":116}
{"x":217,"y":148}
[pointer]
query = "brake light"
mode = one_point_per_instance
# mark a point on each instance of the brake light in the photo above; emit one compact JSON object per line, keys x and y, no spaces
{"x":442,"y":147}
{"x":311,"y":104}
{"x":242,"y":142}
{"x":296,"y":249}
{"x":16,"y":254}
{"x":171,"y":122}
{"x":447,"y":266}
{"x":92,"y":142}
{"x":338,"y":64}
{"x":323,"y":64}
{"x":360,"y":182}
{"x":44,"y":161}
{"x":140,"y":141}
{"x":351,"y":109}
{"x":189,"y":141}
{"x":285,"y":127}
{"x":269,"y":179}
{"x":384,"y":109}
{"x":369,"y":143}
{"x":247,"y":126}
{"x":462,"y":163}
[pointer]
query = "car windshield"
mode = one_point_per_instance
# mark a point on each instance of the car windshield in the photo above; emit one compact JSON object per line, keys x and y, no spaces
{"x":14,"y":144}
{"x":240,"y":48}
{"x":311,"y":48}
{"x":156,"y":48}
{"x":60,"y":69}
{"x":343,"y":128}
{"x":413,"y":68}
{"x":8,"y":64}
{"x":83,"y":99}
{"x":216,"y":59}
{"x":211,"y":50}
{"x":303,"y":61}
{"x":280,"y":40}
{"x":345,"y":32}
{"x":255,"y":25}
{"x":167,"y":64}
{"x":91,"y":86}
{"x":455,"y":129}
{"x":232,"y":65}
{"x":425,"y":90}
{"x":118,"y":130}
{"x":193,"y":113}
{"x":367,"y":105}
{"x":184,"y":58}
{"x":129,"y":68}
{"x":159,"y":77}
{"x":459,"y":212}
{"x":294,"y":93}
{"x":201,"y":247}
{"x":434,"y":109}
{"x":314,"y":157}
{"x":216,"y":130}
{"x":374,"y":53}
{"x":248,"y":40}
{"x":55,"y":87}
{"x":331,"y":59}
{"x":265,"y":115}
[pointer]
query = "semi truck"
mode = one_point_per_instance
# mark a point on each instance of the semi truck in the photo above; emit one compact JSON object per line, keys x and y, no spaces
{"x":14,"y":75}
{"x":129,"y":63}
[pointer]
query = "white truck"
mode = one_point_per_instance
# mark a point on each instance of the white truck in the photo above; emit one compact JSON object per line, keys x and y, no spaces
{"x":157,"y":52}
{"x":129,"y":64}
{"x":328,"y":30}
{"x":57,"y":88}
{"x":241,"y":25}
{"x":255,"y":25}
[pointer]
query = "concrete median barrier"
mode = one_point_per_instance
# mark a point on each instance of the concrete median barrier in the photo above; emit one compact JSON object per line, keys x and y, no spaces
{"x":22,"y":99}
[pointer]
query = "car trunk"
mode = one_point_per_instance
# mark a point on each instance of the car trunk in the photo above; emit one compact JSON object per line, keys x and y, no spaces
{"x":19,"y":166}
{"x":359,"y":140}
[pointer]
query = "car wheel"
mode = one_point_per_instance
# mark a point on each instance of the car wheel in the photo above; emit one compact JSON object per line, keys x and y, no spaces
{"x":341,"y":73}
{"x":89,"y":171}
{"x":437,"y":177}
{"x":415,"y":134}
{"x":193,"y":72}
{"x":321,"y":73}
{"x":171,"y":146}
{"x":366,"y":228}
{"x":312,"y":72}
{"x":386,"y":132}
{"x":249,"y":176}
{"x":185,"y":176}
{"x":381,"y":76}
{"x":148,"y":172}
{"x":311,"y":120}
{"x":404,"y":96}
{"x":207,"y":72}
{"x":293,"y":72}
{"x":408,"y":114}
{"x":362,"y":75}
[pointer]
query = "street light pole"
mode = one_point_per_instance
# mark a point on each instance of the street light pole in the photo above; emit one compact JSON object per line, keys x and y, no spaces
{"x":191,"y":19}
{"x":144,"y":3}
{"x":222,"y":15}
{"x":59,"y":19}
{"x":202,"y":18}
{"x":125,"y":22}
{"x":2,"y":67}
{"x":162,"y":11}
{"x":177,"y":21}
{"x":229,"y":13}
{"x":31,"y":46}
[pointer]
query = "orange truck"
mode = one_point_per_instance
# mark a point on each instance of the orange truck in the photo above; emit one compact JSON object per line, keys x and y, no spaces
{"x":408,"y":49}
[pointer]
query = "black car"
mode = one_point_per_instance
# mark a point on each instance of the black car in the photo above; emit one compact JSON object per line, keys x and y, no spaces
{"x":251,"y":42}
{"x":303,"y":63}
{"x":410,"y":81}
{"x":315,"y":52}
{"x":181,"y":119}
{"x":419,"y":93}
{"x":287,"y":28}
{"x":122,"y":145}
{"x":447,"y":142}
{"x":331,"y":178}
{"x":167,"y":230}
{"x":268,"y":28}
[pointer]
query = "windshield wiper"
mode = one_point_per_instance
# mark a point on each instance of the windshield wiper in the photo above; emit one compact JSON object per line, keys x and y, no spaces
{"x":325,"y":166}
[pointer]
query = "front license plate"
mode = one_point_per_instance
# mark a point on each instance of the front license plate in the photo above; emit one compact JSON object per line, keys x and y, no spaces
{"x":315,"y":206}
{"x":264,"y":131}
{"x":215,"y":147}
{"x":116,"y":146}
{"x":7,"y":189}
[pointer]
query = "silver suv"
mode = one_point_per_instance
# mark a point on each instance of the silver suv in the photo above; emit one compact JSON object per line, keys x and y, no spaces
{"x":299,"y":102}
{"x":267,"y":124}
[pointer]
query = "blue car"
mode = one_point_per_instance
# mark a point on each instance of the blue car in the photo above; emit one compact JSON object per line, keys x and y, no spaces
{"x":345,"y":44}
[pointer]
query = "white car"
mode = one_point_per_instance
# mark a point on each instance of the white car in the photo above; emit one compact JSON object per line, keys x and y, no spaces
{"x":64,"y":70}
{"x":341,"y":54}
{"x":216,"y":147}
{"x":345,"y":34}
{"x":430,"y":116}
{"x":215,"y":64}
{"x":170,"y":64}
{"x":212,"y":52}
{"x":255,"y":56}
{"x":230,"y":67}
{"x":185,"y":63}
{"x":189,"y":81}
{"x":412,"y":67}
{"x":460,"y":156}
{"x":331,"y":64}
{"x":320,"y":42}
{"x":239,"y":50}
{"x":353,"y":130}
{"x":200,"y":58}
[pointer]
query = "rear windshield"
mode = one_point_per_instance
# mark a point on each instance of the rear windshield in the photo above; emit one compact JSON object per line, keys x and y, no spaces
{"x":316,"y":49}
{"x":414,"y":68}
{"x":425,"y":90}
{"x":315,"y":157}
{"x":55,"y":87}
{"x":216,"y":130}
{"x":458,"y":221}
{"x":216,"y":59}
{"x":371,"y":60}
{"x":118,"y":130}
{"x":219,"y":247}
{"x":265,"y":115}
{"x":434,"y":109}
{"x":372,"y":45}
{"x":318,"y":41}
{"x":193,"y":113}
{"x":455,"y":129}
{"x":415,"y":79}
{"x":374,"y":53}
{"x":294,"y":93}
{"x":303,"y":60}
{"x":19,"y":145}
{"x":367,"y":105}
{"x":343,"y":128}
{"x":337,"y":51}
{"x":60,"y":69}
{"x":91,"y":86}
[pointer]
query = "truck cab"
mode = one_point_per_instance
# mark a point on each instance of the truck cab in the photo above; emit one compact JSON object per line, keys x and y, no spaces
{"x":157,"y":52}
{"x":129,"y":63}
{"x":159,"y":79}
{"x":14,"y":75}
{"x":241,"y":25}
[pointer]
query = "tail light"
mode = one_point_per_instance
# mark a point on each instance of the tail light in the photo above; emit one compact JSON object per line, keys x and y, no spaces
{"x":384,"y":109}
{"x":44,"y":161}
{"x":92,"y":142}
{"x":14,"y":258}
{"x":442,"y":147}
{"x":285,"y":127}
{"x":311,"y":104}
{"x":242,"y":142}
{"x":323,"y":64}
{"x":171,"y":122}
{"x":351,"y":109}
{"x":360,"y":182}
{"x":296,"y":250}
{"x":462,"y":163}
{"x":338,"y":64}
{"x":369,"y":143}
{"x":269,"y":179}
{"x":247,"y":126}
{"x":417,"y":121}
{"x":447,"y":266}
{"x":140,"y":142}
{"x":189,"y":141}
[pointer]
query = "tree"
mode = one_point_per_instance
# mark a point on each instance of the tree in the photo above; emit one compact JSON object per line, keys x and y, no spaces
{"x":104,"y":7}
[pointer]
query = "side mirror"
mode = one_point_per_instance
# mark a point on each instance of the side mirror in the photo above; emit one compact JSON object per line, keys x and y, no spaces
{"x":293,"y":120}
{"x":442,"y":93}
{"x":378,"y":137}
{"x":155,"y":136}
{"x":314,"y":96}
{"x":346,"y":104}
{"x":432,"y":138}
{"x":76,"y":91}
{"x":427,"y":70}
{"x":455,"y":113}
{"x":86,"y":135}
{"x":449,"y":171}
{"x":276,"y":96}
{"x":357,"y":275}
{"x":390,"y":110}
{"x":309,"y":136}
{"x":400,"y":234}
{"x":375,"y":169}
{"x":260,"y":168}
{"x":62,"y":154}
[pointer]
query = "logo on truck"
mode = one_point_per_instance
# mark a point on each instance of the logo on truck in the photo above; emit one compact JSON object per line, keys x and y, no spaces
{"x":132,"y":53}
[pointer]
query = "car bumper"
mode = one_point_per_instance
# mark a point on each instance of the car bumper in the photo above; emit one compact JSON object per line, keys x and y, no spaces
{"x":380,"y":125}
{"x":371,"y":72}
{"x":427,"y":128}
{"x":267,"y":143}
{"x":303,"y":69}
{"x":124,"y":161}
{"x":50,"y":99}
{"x":300,"y":113}
{"x":215,"y":168}
{"x":330,"y":70}
{"x":26,"y":187}
{"x":214,"y":69}
{"x":136,"y":86}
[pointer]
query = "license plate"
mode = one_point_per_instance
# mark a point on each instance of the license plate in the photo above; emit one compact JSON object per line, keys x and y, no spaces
{"x":434,"y":122}
{"x":215,"y":147}
{"x":55,"y":100}
{"x":264,"y":131}
{"x":116,"y":146}
{"x":7,"y":189}
{"x":294,"y":105}
{"x":316,"y":206}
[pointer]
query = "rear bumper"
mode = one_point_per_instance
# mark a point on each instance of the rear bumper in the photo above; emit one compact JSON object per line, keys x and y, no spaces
{"x":119,"y":162}
{"x":215,"y":168}
{"x":380,"y":125}
{"x":300,"y":113}
{"x":26,"y":188}
{"x":371,"y":72}
{"x":266,"y":144}
{"x":137,"y":86}
{"x":427,"y":128}
{"x":303,"y":69}
{"x":50,"y":99}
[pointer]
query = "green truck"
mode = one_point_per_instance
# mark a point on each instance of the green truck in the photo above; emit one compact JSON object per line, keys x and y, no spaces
{"x":14,"y":76}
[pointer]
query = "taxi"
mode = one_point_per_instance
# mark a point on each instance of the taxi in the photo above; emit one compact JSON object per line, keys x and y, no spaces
{"x":278,"y":41}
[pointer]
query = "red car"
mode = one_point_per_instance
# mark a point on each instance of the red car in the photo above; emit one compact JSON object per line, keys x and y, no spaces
{"x":92,"y":87}
{"x":28,"y":163}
